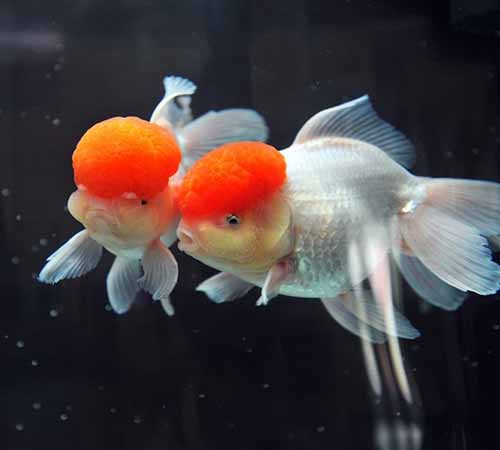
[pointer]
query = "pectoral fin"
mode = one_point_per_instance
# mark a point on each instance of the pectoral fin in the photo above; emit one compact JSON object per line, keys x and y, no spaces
{"x":121,"y":283}
{"x":160,"y":274}
{"x":276,"y":276}
{"x":224,"y":287}
{"x":76,"y":257}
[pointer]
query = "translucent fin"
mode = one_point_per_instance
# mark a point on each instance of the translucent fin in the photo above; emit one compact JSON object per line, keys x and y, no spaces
{"x":364,"y":308}
{"x":224,"y":287}
{"x":444,"y":232}
{"x":358,"y":120}
{"x":216,"y":128}
{"x":166,"y":304}
{"x":475,"y":203}
{"x":337,"y":309}
{"x":76,"y":257}
{"x":428,"y":286}
{"x":274,"y":279}
{"x":167,"y":113}
{"x":160,"y":272}
{"x":121,"y":283}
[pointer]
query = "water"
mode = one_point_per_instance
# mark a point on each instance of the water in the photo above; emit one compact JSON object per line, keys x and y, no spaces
{"x":233,"y":376}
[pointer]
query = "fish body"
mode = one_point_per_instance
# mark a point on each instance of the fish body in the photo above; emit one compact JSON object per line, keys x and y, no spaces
{"x":345,"y":206}
{"x":127,"y":170}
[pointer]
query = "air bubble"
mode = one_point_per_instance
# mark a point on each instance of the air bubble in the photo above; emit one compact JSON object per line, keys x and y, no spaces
{"x":201,"y":395}
{"x":5,"y":192}
{"x":34,"y":363}
{"x":15,"y":260}
{"x":56,"y":122}
{"x":57,"y":67}
{"x":137,"y":420}
{"x":107,"y":307}
{"x":19,"y":217}
{"x":320,"y":429}
{"x":37,"y":406}
{"x":53,"y":313}
{"x":112,"y":410}
{"x":43,"y":241}
{"x":20,"y":344}
{"x":64,"y":417}
{"x":265,"y":386}
{"x":496,"y":327}
{"x":19,"y":427}
{"x":48,"y":76}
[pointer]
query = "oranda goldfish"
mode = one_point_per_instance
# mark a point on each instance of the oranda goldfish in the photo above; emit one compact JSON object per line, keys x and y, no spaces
{"x":318,"y":218}
{"x":126,"y":170}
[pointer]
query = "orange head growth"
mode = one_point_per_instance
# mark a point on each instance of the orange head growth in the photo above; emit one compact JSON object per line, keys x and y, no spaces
{"x":125,"y":155}
{"x":231,"y":178}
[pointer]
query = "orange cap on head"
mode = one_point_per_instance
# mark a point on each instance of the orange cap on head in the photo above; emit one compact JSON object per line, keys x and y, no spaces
{"x":231,"y":178}
{"x":125,"y":155}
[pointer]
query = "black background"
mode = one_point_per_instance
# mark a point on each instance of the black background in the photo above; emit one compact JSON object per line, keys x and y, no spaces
{"x":75,"y":375}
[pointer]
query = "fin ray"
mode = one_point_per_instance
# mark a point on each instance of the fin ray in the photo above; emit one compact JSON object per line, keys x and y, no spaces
{"x":79,"y":255}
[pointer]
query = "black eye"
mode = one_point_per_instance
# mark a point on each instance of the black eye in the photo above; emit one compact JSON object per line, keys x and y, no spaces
{"x":233,"y":219}
{"x":144,"y":202}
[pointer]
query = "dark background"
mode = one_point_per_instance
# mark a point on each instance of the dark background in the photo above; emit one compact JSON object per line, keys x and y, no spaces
{"x":75,"y":375}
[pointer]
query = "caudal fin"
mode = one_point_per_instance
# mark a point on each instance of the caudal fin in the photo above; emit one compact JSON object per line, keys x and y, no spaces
{"x":448,"y":232}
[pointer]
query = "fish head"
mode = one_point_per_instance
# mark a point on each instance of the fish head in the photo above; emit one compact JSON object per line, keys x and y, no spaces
{"x":122,"y":168}
{"x":234,"y":216}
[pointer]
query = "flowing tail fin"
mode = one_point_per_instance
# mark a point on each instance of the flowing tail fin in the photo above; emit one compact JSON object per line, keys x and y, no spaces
{"x":447,"y":231}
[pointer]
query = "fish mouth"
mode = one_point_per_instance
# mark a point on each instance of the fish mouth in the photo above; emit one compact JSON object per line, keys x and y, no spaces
{"x":187,"y":242}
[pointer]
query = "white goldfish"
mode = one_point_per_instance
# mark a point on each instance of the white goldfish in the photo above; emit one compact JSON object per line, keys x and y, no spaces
{"x":318,"y":218}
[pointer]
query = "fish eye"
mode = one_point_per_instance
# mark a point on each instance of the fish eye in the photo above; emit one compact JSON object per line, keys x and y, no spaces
{"x":233,"y":219}
{"x":144,"y":202}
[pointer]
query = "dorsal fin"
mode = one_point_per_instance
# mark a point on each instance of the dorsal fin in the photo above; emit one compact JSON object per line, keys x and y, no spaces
{"x":358,"y":120}
{"x":167,"y":113}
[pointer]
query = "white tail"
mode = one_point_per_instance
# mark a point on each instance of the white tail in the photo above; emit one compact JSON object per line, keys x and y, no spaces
{"x":447,"y":232}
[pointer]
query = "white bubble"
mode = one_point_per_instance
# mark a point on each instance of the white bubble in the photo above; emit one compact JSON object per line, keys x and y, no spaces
{"x":34,"y":248}
{"x":64,"y":417}
{"x":18,"y":217}
{"x":137,"y":419}
{"x":43,"y":241}
{"x":15,"y":260}
{"x":320,"y":429}
{"x":107,"y":307}
{"x":34,"y":363}
{"x":474,"y":364}
{"x":48,"y":76}
{"x":112,"y":410}
{"x":19,"y":427}
{"x":57,"y":67}
{"x":53,"y":313}
{"x":496,"y":327}
{"x":201,"y":395}
{"x":100,"y":387}
{"x":5,"y":192}
{"x":56,"y":122}
{"x":47,"y":116}
{"x":69,"y":407}
{"x":37,"y":406}
{"x":265,"y":386}
{"x":20,"y":344}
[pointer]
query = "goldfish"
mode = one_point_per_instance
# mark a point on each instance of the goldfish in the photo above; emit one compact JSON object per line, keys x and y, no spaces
{"x":319,"y":218}
{"x":126,"y":170}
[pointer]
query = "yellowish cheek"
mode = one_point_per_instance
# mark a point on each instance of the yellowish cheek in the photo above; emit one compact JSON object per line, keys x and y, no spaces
{"x":237,"y":246}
